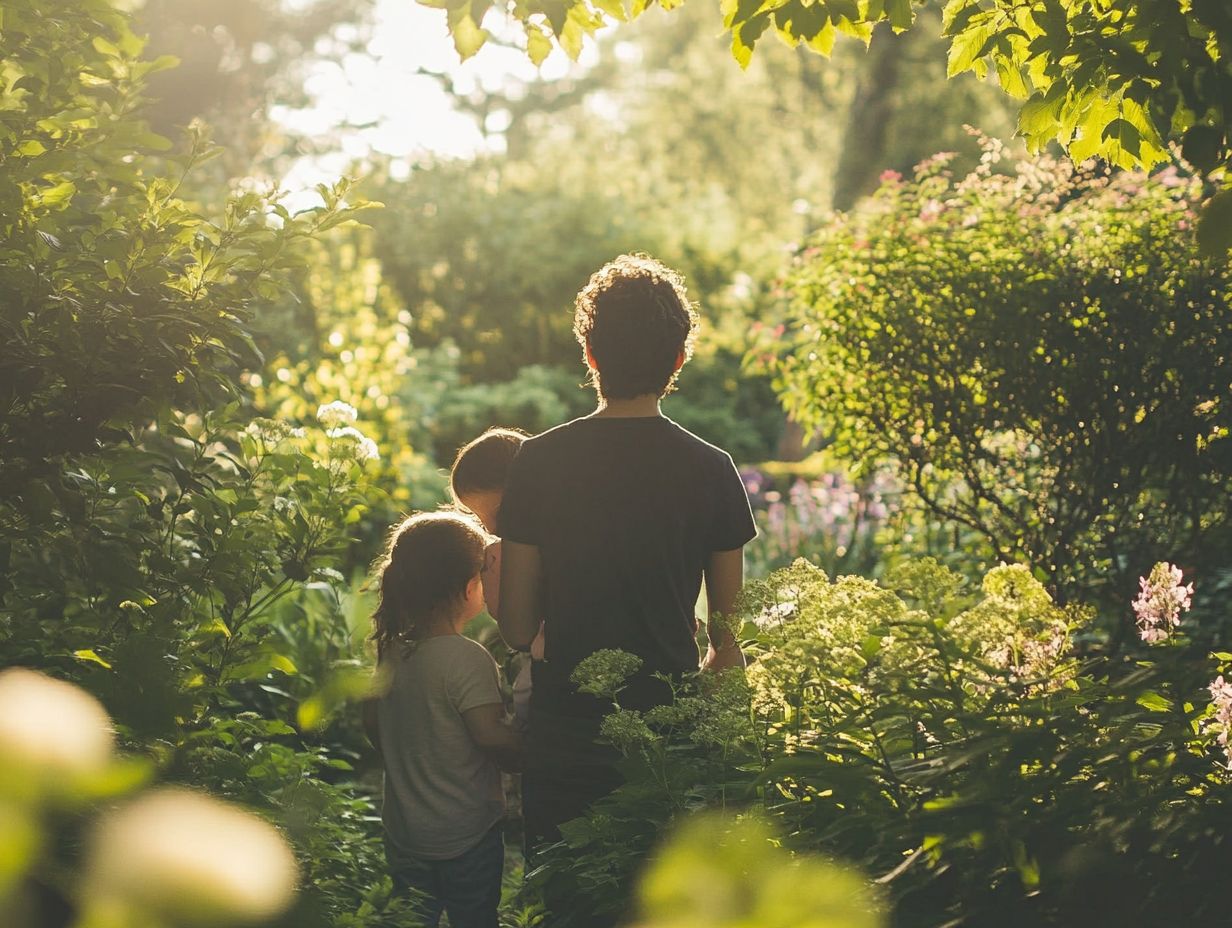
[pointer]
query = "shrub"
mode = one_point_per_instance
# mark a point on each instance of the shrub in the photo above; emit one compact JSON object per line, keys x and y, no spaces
{"x":947,"y":741}
{"x":149,"y":530}
{"x":1043,"y":354}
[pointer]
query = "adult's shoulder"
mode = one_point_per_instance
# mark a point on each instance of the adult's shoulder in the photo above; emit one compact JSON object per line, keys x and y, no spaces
{"x":700,"y":447}
{"x":555,"y":437}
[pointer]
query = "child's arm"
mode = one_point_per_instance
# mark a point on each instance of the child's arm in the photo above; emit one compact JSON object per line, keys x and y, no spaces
{"x":521,"y":581}
{"x":488,"y":729}
{"x":724,"y":575}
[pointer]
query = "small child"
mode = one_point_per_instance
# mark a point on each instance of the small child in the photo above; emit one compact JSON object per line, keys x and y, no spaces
{"x":439,"y":723}
{"x":477,"y":483}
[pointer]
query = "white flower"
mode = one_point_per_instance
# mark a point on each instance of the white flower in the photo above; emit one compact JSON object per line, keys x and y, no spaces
{"x":364,"y":448}
{"x":51,"y":730}
{"x":337,"y":414}
{"x":191,"y":859}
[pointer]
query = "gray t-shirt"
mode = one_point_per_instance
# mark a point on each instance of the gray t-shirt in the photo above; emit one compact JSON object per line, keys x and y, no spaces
{"x":442,"y":794}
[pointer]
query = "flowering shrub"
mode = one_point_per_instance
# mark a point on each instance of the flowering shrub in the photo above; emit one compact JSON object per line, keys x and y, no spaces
{"x":948,"y":741}
{"x":1161,"y":601}
{"x":830,"y":521}
{"x":1041,"y":354}
{"x":160,"y":547}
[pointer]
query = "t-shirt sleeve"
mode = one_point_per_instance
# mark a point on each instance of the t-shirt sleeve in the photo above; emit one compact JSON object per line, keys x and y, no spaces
{"x":474,"y":681}
{"x":733,"y":525}
{"x":521,"y":506}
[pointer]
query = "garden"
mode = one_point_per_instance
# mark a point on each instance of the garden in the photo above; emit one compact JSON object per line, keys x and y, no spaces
{"x":963,"y":273}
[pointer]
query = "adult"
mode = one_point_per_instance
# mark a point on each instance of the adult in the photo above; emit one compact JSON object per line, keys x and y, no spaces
{"x":611,"y":523}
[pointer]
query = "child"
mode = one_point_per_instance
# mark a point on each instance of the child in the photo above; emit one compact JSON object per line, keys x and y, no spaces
{"x":439,"y":724}
{"x":477,"y":483}
{"x":610,"y":525}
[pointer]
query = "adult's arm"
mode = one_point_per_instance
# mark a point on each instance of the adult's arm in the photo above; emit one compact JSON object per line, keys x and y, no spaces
{"x":489,"y":730}
{"x":491,"y":578}
{"x":371,"y":728}
{"x":724,"y":576}
{"x":521,"y":582}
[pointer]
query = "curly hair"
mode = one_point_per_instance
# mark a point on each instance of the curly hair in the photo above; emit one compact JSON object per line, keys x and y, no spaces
{"x":428,"y":562}
{"x":635,"y":318}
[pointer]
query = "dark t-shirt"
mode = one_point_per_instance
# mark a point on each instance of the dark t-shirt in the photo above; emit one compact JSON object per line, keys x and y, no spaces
{"x":625,"y":513}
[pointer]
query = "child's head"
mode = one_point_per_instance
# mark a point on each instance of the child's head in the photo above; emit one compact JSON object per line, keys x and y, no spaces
{"x":480,"y":471}
{"x":429,"y":577}
{"x":636,"y":327}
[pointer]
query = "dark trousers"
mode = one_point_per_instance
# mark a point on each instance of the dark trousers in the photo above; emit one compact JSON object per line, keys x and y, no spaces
{"x":566,"y":768}
{"x":467,"y":887}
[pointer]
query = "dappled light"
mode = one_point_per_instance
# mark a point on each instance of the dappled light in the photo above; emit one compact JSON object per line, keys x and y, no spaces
{"x":582,"y":465}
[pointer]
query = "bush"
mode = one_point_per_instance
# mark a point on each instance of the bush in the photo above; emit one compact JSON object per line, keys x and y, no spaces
{"x":1043,"y":355}
{"x":151,"y":531}
{"x":948,"y":742}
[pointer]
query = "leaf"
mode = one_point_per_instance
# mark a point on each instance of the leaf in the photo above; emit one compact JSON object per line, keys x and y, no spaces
{"x":1203,"y":147}
{"x":745,"y":35}
{"x":900,"y":14}
{"x":58,"y":195}
{"x":1153,"y":702}
{"x":468,"y":37}
{"x":104,"y":47}
{"x":1215,"y":225}
{"x":968,"y":46}
{"x":823,"y":41}
{"x":1123,"y":143}
{"x":310,"y":714}
{"x":572,"y":38}
{"x":90,"y":656}
{"x":538,"y":45}
{"x":613,"y":8}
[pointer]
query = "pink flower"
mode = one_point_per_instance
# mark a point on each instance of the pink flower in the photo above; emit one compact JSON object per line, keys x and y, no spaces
{"x":1221,"y":723}
{"x":890,"y":177}
{"x":1161,"y":600}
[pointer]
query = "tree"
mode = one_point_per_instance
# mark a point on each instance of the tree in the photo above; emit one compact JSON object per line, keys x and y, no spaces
{"x":1119,"y":80}
{"x":236,"y":59}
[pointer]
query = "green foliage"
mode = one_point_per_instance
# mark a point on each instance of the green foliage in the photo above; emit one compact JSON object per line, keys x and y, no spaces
{"x":947,"y":741}
{"x":155,"y":535}
{"x":343,"y":336}
{"x":1043,"y":355}
{"x":720,"y":874}
{"x":1118,"y":80}
{"x":157,"y":860}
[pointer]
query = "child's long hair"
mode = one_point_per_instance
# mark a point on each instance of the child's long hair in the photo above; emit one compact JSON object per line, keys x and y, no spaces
{"x":482,"y":465}
{"x":428,"y":562}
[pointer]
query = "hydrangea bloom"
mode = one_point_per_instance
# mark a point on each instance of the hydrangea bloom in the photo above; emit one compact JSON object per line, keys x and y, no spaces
{"x":1221,"y":702}
{"x":337,"y":414}
{"x":1161,"y":600}
{"x":365,"y":449}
